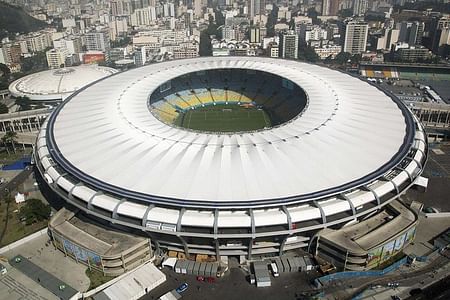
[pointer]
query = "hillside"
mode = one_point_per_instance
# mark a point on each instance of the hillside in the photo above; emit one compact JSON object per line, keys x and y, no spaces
{"x":14,"y":19}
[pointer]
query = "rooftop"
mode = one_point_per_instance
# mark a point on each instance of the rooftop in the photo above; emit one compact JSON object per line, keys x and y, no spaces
{"x":350,"y":133}
{"x":57,"y":84}
{"x":374,"y":231}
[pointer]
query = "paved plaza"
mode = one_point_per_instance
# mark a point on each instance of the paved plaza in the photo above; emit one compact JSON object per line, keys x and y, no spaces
{"x":42,"y":253}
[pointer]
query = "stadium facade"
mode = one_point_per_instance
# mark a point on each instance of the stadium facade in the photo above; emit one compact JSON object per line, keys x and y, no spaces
{"x":114,"y":151}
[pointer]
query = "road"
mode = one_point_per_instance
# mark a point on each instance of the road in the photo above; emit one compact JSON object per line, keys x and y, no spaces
{"x":405,"y":279}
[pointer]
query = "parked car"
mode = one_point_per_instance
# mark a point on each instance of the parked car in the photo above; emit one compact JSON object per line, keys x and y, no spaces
{"x":3,"y":270}
{"x":183,"y":287}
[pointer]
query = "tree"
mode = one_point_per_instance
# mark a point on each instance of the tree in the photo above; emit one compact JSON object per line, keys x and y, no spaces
{"x":24,"y":103}
{"x":342,"y":57}
{"x":356,"y":59}
{"x":205,"y":48}
{"x":271,"y":21}
{"x":35,"y":63}
{"x":34,"y":211}
{"x":3,"y":109}
{"x":5,"y":70}
{"x":13,"y":19}
{"x":10,"y":138}
{"x":220,"y":19}
{"x":313,"y":14}
{"x":328,"y":60}
{"x":345,"y":13}
{"x":444,"y":51}
{"x":307,"y":53}
{"x":122,"y":42}
{"x":213,"y":28}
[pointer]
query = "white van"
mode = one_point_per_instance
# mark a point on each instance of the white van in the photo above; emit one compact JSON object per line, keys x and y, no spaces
{"x":274,"y":268}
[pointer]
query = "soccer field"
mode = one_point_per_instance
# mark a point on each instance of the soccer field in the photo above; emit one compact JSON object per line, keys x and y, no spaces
{"x":224,"y":118}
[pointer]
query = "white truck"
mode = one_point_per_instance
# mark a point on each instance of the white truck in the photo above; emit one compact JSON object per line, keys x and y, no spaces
{"x":274,"y":268}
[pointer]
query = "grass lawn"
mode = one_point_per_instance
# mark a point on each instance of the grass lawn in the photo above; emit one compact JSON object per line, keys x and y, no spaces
{"x":224,"y":118}
{"x":97,"y":278}
{"x":15,"y":229}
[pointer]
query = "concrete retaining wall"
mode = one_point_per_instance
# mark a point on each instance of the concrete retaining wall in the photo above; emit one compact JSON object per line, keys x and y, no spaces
{"x":23,"y":241}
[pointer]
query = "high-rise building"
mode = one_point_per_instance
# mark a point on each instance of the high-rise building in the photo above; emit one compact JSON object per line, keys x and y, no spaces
{"x":144,"y":16}
{"x":198,"y":8}
{"x":411,"y":32}
{"x":229,"y":33}
{"x":118,"y":27}
{"x":72,"y":44}
{"x":38,"y":41}
{"x":98,"y":40}
{"x":288,"y":45}
{"x":56,"y":57}
{"x":360,"y":7}
{"x":140,"y":57}
{"x":168,"y":10}
{"x":11,"y":53}
{"x":355,"y":37}
{"x":121,"y":7}
{"x":389,"y":39}
{"x":255,"y":35}
{"x":330,"y":7}
{"x":254,"y":8}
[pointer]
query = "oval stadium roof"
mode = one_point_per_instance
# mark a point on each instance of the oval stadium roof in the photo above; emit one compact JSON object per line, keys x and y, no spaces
{"x":349,"y":134}
{"x":57,"y":84}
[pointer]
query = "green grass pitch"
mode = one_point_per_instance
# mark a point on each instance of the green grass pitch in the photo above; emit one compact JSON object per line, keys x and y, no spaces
{"x":224,"y":118}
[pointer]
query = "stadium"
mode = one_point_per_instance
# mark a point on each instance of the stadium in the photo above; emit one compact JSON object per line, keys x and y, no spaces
{"x":233,"y":156}
{"x":55,"y":85}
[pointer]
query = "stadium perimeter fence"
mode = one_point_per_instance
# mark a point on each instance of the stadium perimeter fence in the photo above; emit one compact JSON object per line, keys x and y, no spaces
{"x":351,"y":274}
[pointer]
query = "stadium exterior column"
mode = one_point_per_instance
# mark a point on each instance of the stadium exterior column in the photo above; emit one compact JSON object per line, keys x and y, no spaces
{"x":343,"y":196}
{"x":216,"y":244}
{"x":54,"y":183}
{"x":393,"y":183}
{"x":418,"y":162}
{"x":114,"y":214}
{"x":215,"y":231}
{"x":374,"y":194}
{"x":282,"y":245}
{"x":89,"y":205}
{"x":185,"y":246}
{"x":180,"y":216}
{"x":288,"y":217}
{"x":409,"y":175}
{"x":252,"y":221}
{"x":144,"y":226}
{"x":71,"y":190}
{"x":29,"y":124}
{"x":216,"y":219}
{"x":322,"y":213}
{"x":147,"y":211}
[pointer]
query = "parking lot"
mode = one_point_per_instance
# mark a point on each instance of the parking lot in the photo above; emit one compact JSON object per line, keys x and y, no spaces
{"x":437,"y":170}
{"x":234,"y":285}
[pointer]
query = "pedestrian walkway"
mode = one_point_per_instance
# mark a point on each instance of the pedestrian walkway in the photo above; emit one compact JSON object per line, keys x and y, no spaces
{"x":45,"y":279}
{"x":14,"y":286}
